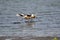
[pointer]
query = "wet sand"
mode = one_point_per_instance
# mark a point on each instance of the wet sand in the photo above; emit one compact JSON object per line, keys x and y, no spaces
{"x":27,"y":38}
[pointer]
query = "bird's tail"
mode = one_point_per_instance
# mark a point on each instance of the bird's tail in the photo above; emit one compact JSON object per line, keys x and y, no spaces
{"x":20,"y":15}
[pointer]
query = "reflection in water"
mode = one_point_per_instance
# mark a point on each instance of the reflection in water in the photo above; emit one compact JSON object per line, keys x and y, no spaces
{"x":27,"y":25}
{"x":16,"y":22}
{"x":30,"y":23}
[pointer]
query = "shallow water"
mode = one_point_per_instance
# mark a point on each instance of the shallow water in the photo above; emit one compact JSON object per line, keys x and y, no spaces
{"x":47,"y":22}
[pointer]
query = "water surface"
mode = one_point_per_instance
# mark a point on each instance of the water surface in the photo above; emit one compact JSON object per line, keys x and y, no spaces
{"x":47,"y":22}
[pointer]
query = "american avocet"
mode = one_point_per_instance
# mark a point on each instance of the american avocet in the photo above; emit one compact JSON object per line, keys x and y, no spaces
{"x":27,"y":16}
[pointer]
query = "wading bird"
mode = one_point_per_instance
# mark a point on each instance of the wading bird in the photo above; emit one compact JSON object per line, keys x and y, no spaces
{"x":27,"y":16}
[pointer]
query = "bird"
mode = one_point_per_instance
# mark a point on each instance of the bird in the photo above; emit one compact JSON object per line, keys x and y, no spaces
{"x":27,"y":16}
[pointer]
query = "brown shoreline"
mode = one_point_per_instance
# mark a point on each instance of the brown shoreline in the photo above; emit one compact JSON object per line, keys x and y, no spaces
{"x":26,"y":38}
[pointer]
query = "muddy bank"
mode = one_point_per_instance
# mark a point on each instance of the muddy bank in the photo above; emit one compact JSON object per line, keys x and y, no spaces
{"x":26,"y":38}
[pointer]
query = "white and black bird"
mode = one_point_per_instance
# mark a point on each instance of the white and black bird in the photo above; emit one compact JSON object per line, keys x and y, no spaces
{"x":27,"y":16}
